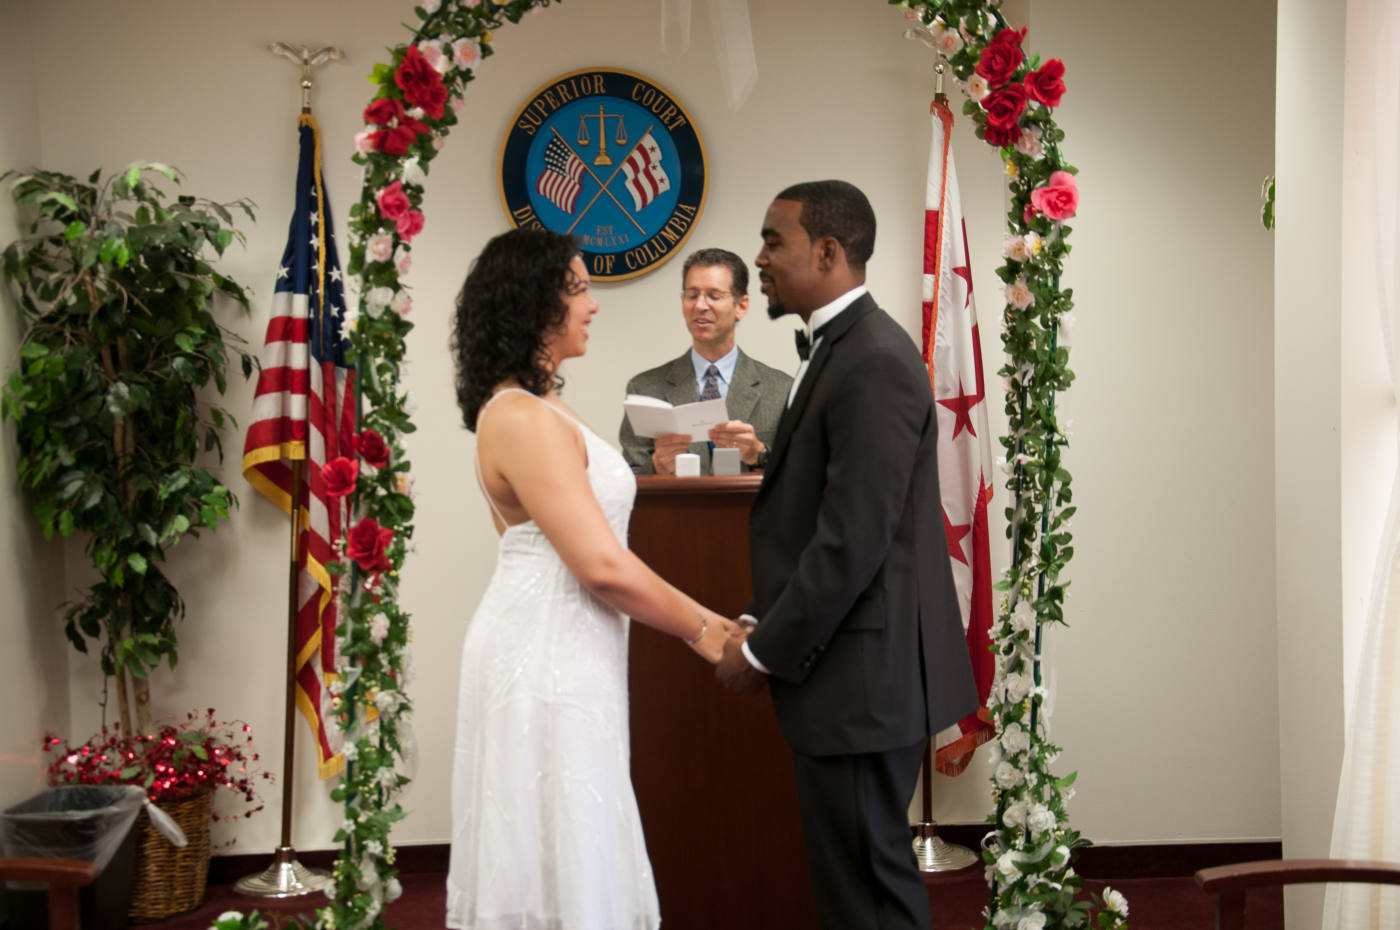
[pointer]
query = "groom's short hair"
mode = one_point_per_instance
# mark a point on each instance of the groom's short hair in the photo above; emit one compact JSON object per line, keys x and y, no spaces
{"x":837,"y":209}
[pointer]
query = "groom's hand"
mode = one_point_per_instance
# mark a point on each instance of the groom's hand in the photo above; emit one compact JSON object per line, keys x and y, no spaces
{"x":735,"y":671}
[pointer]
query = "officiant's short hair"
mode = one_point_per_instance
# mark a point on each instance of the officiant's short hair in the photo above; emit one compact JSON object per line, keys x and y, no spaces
{"x":840,"y":210}
{"x":721,"y":258}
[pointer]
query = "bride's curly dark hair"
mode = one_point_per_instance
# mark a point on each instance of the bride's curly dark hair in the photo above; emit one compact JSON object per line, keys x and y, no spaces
{"x":511,"y":300}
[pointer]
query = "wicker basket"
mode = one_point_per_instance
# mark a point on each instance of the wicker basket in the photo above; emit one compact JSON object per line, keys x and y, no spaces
{"x":167,"y":880}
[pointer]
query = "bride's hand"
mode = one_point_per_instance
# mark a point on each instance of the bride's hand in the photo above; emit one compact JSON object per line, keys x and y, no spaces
{"x":718,"y":630}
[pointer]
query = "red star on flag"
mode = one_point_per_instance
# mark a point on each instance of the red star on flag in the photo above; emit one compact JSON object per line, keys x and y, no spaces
{"x":961,"y":407}
{"x":955,"y":535}
{"x":965,"y":273}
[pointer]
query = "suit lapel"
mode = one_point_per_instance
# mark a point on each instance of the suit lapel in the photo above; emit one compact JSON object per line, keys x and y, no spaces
{"x":743,"y":390}
{"x":832,"y":334}
{"x":680,"y":382}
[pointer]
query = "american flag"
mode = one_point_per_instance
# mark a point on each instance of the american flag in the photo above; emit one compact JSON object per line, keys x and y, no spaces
{"x":645,"y":177}
{"x":304,"y":411}
{"x":954,"y":356}
{"x":559,"y":181}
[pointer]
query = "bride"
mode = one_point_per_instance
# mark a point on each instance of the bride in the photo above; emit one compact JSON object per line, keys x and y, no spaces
{"x":545,"y":829}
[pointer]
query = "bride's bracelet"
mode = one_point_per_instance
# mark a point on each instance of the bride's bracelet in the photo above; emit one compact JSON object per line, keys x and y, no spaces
{"x":704,"y":628}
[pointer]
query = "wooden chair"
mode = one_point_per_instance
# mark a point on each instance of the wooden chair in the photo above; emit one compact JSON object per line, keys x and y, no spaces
{"x":63,"y":876}
{"x":1229,"y":882}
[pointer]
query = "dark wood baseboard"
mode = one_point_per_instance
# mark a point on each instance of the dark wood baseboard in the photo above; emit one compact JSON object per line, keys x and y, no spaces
{"x":1143,"y":860}
{"x":1138,"y":860}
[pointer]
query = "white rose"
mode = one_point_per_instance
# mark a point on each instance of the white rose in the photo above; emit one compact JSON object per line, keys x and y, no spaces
{"x":351,"y":750}
{"x":387,"y":701}
{"x":1040,"y":819}
{"x":1015,"y":814}
{"x":430,"y":6}
{"x":1015,"y":739}
{"x":377,"y":299}
{"x":1035,"y":921}
{"x":1018,"y":295}
{"x":1023,"y":617}
{"x":401,"y":304}
{"x":434,"y":55}
{"x":1008,"y":775}
{"x":1017,"y":687}
{"x":403,"y":260}
{"x":229,"y":915}
{"x":1003,"y":919}
{"x":379,"y":247}
{"x":466,"y":53}
{"x":1006,"y":865}
{"x":413,"y":172}
{"x":1115,"y":902}
{"x":1015,"y":249}
{"x":1067,"y":321}
{"x":1029,"y":142}
{"x":392,"y":891}
{"x":362,"y":143}
{"x":950,"y":43}
{"x":387,"y":778}
{"x":977,"y":87}
{"x":378,"y":628}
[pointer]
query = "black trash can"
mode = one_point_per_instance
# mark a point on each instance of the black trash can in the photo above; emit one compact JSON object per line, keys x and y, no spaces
{"x":88,"y":822}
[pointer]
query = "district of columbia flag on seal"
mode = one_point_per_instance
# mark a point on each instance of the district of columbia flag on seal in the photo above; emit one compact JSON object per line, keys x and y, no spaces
{"x":304,"y":411}
{"x":645,"y":176}
{"x":953,"y":352}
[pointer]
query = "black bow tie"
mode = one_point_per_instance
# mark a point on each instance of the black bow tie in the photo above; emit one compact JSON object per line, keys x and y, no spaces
{"x":804,"y":344}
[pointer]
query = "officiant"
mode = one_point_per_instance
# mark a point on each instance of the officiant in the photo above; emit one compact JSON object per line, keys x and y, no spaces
{"x":714,"y":298}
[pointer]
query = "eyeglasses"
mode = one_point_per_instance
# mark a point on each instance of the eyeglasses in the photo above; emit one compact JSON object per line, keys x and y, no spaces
{"x":713,"y":297}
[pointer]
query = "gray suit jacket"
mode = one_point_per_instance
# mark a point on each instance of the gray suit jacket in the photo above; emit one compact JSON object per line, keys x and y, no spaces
{"x":757,"y":396}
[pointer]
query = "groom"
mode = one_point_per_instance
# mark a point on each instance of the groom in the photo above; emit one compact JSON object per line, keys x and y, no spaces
{"x":858,"y":632}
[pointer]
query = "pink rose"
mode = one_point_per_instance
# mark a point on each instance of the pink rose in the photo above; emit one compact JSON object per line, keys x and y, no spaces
{"x":402,"y":260}
{"x":393,"y":202}
{"x":1059,"y":198}
{"x":379,"y":247}
{"x":409,"y":225}
{"x":433,"y":54}
{"x":364,"y":143}
{"x":466,"y":53}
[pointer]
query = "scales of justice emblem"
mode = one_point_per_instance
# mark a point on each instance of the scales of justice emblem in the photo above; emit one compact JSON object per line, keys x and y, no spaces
{"x":611,"y":158}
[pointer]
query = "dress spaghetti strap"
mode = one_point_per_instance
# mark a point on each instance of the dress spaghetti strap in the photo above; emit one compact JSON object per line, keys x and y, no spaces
{"x":481,"y":481}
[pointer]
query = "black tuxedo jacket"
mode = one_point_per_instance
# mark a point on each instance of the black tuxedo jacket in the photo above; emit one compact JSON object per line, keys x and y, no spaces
{"x":857,"y":616}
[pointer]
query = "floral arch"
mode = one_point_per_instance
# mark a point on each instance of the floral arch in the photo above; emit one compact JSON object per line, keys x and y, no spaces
{"x":1011,"y":96}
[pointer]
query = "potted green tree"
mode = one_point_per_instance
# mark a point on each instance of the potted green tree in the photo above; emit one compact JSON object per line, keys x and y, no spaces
{"x":121,"y":339}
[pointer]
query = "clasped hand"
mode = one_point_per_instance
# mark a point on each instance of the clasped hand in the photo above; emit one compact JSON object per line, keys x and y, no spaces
{"x":734,"y":670}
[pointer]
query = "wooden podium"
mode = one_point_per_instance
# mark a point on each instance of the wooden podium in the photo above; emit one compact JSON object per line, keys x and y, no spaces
{"x":712,"y":774}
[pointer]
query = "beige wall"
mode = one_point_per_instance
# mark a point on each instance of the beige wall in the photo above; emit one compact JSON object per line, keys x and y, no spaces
{"x":1167,"y":676}
{"x":33,"y":660}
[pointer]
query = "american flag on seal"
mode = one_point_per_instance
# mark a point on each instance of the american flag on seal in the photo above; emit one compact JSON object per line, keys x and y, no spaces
{"x":953,"y":352}
{"x":304,"y":411}
{"x":644,"y":176}
{"x":559,"y":180}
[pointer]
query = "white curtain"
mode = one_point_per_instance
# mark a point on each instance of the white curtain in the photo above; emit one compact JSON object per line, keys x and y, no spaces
{"x":1367,"y":824}
{"x":733,"y":38}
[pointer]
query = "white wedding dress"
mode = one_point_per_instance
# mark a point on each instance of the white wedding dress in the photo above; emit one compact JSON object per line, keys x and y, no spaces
{"x":545,"y":829}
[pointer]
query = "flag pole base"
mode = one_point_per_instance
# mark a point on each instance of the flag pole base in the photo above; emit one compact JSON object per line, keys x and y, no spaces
{"x":934,"y":855}
{"x":285,"y":878}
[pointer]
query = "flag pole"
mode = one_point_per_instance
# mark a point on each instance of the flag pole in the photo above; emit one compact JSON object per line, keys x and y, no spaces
{"x":931,"y":851}
{"x":286,"y":877}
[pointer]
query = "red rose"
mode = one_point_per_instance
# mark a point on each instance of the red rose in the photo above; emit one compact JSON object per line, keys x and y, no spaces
{"x":999,"y":62}
{"x":421,"y":84}
{"x":1004,"y":107}
{"x":1010,"y":36}
{"x":1044,"y":83}
{"x":394,"y":141}
{"x":1059,"y":198}
{"x":367,"y":544}
{"x":340,"y":475}
{"x":1002,"y":136}
{"x":409,"y":225}
{"x":384,"y":112}
{"x":393,"y":202}
{"x":372,"y":448}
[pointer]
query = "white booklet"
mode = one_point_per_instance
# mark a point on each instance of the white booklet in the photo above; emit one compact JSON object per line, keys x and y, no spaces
{"x":652,"y":416}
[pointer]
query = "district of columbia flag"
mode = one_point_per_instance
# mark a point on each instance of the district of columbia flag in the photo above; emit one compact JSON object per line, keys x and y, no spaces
{"x":304,"y":411}
{"x":644,"y":176}
{"x":953,"y":352}
{"x":559,"y":180}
